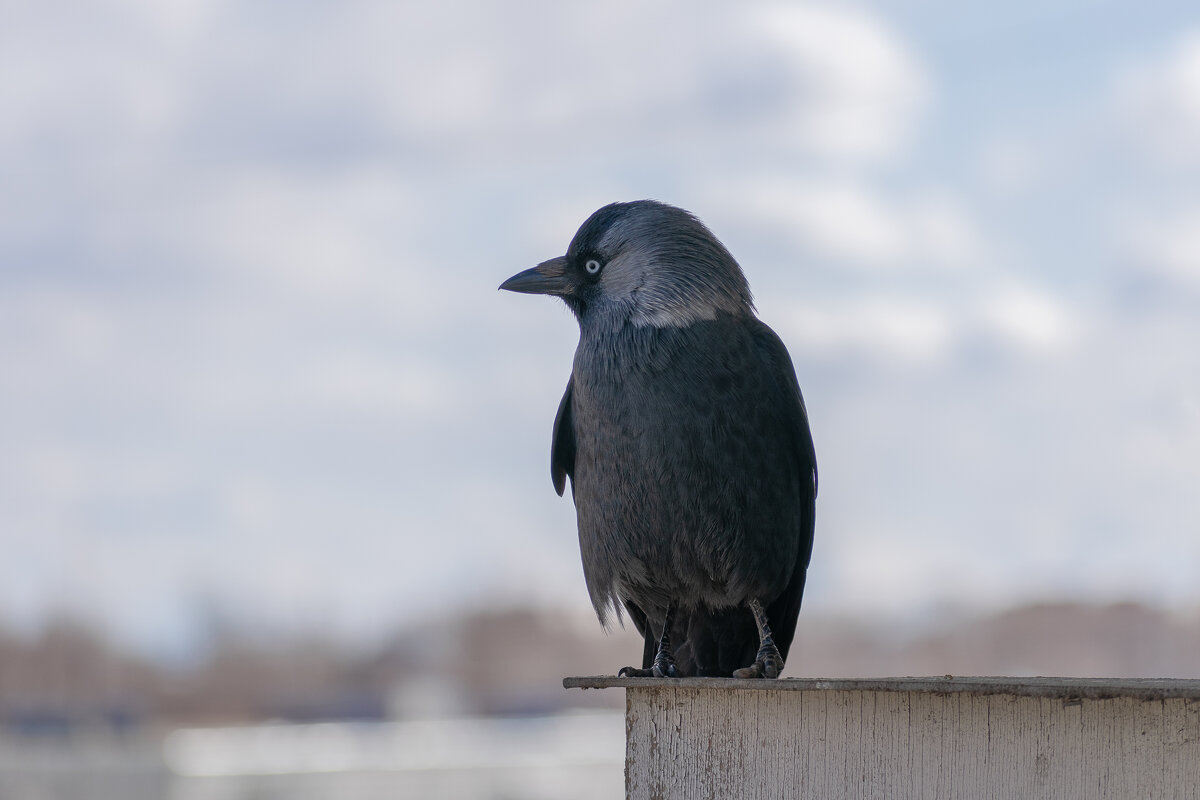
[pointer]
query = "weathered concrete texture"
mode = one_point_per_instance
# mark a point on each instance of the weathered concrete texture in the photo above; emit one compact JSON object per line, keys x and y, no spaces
{"x":985,"y":738}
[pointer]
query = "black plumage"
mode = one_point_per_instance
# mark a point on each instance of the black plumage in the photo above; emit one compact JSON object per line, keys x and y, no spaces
{"x":685,"y":437}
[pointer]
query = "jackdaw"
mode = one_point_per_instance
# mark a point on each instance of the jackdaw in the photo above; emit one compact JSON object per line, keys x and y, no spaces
{"x":686,"y":440}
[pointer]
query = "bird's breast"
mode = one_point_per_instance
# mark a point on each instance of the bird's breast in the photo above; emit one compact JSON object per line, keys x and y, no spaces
{"x":676,"y":453}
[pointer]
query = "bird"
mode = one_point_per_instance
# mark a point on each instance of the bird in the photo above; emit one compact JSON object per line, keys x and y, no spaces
{"x":686,"y":441}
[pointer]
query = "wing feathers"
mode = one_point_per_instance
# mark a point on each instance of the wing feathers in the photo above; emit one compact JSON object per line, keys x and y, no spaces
{"x":562,"y":447}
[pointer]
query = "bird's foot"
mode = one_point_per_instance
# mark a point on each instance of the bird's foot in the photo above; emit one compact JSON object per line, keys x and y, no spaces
{"x":663,"y":667}
{"x":768,"y":664}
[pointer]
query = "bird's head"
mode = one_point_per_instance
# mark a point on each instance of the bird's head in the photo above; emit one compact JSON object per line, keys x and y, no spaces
{"x":645,"y":263}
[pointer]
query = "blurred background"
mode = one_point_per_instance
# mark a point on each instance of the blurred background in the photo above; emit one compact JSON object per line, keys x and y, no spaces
{"x":274,"y":450}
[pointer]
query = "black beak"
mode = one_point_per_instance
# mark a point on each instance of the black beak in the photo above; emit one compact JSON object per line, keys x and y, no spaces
{"x":548,"y":277}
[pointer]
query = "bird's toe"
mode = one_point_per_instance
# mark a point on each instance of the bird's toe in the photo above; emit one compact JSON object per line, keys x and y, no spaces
{"x":755,"y":670}
{"x":768,"y":664}
{"x":634,"y":672}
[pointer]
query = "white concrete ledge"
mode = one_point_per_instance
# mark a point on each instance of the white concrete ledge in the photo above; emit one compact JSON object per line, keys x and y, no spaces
{"x":937,"y":737}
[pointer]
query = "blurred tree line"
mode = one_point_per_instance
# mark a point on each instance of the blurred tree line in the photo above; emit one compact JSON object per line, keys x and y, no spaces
{"x":68,"y":676}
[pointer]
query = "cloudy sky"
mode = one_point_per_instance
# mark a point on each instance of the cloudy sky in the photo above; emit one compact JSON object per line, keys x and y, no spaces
{"x":254,"y":359}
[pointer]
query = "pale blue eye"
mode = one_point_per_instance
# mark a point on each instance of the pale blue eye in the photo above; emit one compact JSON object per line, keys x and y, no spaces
{"x":592,"y":266}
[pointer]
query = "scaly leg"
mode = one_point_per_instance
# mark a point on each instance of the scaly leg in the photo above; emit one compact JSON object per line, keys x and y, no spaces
{"x":664,"y":661}
{"x":769,"y":662}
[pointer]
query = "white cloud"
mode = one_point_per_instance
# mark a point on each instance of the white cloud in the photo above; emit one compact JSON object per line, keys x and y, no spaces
{"x":1167,"y":246}
{"x":853,"y":222}
{"x":803,"y":80}
{"x":910,"y":329}
{"x":1160,"y":100}
{"x":1028,"y":317}
{"x":887,"y":328}
{"x":325,"y":237}
{"x":855,"y":88}
{"x":840,"y":220}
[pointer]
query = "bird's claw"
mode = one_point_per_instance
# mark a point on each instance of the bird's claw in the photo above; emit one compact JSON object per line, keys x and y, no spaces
{"x":663,"y":667}
{"x":768,"y":664}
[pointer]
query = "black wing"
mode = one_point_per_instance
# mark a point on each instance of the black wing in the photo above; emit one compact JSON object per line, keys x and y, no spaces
{"x":562,"y":446}
{"x":783,"y":610}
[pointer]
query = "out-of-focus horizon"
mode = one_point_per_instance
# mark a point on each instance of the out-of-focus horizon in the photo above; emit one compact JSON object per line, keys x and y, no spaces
{"x":255,"y":364}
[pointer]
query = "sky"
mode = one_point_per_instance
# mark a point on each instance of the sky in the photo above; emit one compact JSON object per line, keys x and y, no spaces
{"x":254,"y":362}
